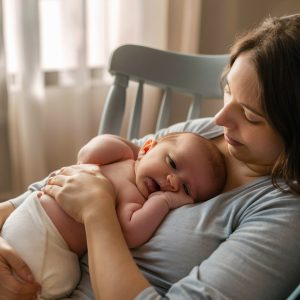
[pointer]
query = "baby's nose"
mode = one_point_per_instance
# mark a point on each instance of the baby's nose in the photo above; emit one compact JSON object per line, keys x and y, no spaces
{"x":173,"y":182}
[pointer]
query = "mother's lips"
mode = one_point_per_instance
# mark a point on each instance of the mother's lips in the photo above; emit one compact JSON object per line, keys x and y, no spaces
{"x":231,"y":141}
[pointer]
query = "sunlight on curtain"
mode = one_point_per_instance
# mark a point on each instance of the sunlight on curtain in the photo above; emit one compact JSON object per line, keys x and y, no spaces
{"x":57,"y":55}
{"x":5,"y":162}
{"x":24,"y":100}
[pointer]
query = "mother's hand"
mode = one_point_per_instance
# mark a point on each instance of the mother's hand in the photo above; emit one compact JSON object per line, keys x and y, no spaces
{"x":81,"y":190}
{"x":16,"y":281}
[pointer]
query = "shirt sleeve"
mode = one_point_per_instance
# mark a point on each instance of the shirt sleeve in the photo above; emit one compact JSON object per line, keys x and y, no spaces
{"x":259,"y":260}
{"x":32,"y":188}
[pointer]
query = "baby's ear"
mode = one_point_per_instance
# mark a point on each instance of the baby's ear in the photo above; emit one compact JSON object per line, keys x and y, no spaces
{"x":149,"y":144}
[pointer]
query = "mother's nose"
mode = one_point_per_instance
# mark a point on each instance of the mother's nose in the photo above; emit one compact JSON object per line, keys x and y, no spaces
{"x":226,"y":116}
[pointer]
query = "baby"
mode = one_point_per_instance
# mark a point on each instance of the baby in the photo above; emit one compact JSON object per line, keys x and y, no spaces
{"x":178,"y":169}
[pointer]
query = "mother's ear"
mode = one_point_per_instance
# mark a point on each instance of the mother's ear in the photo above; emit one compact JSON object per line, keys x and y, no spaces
{"x":149,"y":144}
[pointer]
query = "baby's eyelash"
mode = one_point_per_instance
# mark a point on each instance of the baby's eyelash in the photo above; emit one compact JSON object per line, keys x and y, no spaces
{"x":186,"y":189}
{"x":172,"y":163}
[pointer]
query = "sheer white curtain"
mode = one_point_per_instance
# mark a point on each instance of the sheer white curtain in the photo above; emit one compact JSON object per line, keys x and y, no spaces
{"x":5,"y":176}
{"x":56,"y":56}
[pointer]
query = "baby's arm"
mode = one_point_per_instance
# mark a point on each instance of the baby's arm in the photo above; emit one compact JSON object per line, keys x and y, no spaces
{"x":140,"y":221}
{"x":106,"y":149}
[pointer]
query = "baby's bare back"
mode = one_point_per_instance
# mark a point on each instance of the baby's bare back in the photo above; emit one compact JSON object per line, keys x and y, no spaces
{"x":122,"y":176}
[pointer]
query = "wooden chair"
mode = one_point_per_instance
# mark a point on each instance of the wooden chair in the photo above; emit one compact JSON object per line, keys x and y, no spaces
{"x":196,"y":75}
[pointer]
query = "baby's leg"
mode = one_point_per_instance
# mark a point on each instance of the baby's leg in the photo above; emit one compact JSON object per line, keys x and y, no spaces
{"x":71,"y":231}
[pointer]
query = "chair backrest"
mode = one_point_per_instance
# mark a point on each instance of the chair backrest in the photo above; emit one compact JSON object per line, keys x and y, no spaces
{"x":295,"y":295}
{"x":196,"y":75}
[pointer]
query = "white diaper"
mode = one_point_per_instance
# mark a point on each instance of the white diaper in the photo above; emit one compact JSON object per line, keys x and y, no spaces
{"x":33,"y":235}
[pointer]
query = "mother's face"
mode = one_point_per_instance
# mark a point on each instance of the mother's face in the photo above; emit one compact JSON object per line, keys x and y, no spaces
{"x":249,"y":136}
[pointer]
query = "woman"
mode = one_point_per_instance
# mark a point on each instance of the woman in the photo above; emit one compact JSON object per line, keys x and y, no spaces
{"x":242,"y":244}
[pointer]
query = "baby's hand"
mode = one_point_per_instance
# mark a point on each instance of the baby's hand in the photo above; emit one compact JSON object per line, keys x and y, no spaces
{"x":173,"y":200}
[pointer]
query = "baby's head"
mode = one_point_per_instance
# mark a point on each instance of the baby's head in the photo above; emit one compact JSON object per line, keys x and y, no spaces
{"x":183,"y":163}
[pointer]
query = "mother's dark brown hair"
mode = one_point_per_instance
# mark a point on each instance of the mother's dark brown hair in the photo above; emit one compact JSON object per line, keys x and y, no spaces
{"x":275,"y":48}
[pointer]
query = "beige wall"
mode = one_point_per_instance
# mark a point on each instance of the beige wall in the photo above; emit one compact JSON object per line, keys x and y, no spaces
{"x":222,"y":20}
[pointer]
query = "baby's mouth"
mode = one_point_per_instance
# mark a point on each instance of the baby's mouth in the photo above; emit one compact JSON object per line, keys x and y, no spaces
{"x":152,"y":185}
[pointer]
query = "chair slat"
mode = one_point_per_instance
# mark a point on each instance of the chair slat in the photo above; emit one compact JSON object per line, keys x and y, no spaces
{"x":165,"y":110}
{"x":114,"y":107}
{"x":194,"y":108}
{"x":135,"y":119}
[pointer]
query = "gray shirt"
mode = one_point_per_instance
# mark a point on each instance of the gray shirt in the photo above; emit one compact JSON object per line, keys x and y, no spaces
{"x":242,"y":244}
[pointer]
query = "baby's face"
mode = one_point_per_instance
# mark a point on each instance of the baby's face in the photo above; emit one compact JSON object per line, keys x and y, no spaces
{"x":178,"y":165}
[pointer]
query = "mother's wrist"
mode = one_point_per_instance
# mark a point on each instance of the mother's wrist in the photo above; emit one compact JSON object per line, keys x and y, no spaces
{"x":101,"y":212}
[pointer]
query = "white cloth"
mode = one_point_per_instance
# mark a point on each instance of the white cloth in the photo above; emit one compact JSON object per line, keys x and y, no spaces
{"x":33,"y":235}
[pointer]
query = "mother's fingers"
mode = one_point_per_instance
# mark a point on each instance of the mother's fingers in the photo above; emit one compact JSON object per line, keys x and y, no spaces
{"x":52,"y":190}
{"x":16,"y":280}
{"x":85,"y":168}
{"x":9,"y":256}
{"x":57,"y":180}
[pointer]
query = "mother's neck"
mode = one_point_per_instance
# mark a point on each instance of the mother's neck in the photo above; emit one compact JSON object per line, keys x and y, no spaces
{"x":238,"y":173}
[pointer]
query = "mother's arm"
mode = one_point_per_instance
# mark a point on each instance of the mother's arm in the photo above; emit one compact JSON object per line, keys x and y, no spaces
{"x":91,"y":200}
{"x":115,"y":274}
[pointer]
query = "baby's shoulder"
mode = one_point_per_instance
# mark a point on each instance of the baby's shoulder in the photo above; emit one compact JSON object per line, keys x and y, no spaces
{"x":122,"y":175}
{"x":129,"y":193}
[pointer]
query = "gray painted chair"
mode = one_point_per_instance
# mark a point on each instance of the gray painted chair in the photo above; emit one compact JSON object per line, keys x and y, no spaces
{"x":295,"y":295}
{"x":196,"y":75}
